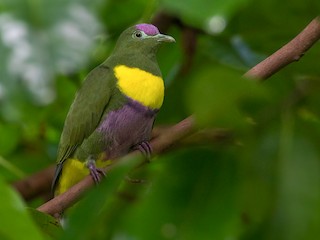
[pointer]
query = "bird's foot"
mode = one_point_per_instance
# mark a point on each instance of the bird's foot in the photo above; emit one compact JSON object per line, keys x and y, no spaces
{"x":145,"y":148}
{"x":96,"y":173}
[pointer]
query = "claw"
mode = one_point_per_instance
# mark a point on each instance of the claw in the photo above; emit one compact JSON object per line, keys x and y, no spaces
{"x":144,"y":148}
{"x":95,"y":172}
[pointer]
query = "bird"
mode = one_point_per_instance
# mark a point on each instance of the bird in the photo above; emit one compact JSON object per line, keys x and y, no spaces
{"x":114,"y":110}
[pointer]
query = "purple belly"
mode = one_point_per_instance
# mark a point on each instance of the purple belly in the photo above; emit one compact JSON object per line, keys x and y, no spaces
{"x":126,"y":127}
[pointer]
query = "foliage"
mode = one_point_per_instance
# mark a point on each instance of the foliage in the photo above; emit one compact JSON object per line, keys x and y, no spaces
{"x":15,"y":222}
{"x":262,"y":185}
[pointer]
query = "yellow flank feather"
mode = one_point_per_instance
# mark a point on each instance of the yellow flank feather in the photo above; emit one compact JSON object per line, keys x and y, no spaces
{"x":74,"y":171}
{"x":140,"y":85}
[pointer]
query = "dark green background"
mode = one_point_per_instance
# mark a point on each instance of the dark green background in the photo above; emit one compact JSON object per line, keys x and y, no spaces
{"x":263,"y":184}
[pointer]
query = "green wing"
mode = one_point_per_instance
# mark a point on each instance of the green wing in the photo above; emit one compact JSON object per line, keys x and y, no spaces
{"x":86,"y":110}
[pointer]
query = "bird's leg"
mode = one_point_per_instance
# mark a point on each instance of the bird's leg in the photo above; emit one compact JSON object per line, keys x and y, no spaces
{"x":95,"y":172}
{"x":145,"y":148}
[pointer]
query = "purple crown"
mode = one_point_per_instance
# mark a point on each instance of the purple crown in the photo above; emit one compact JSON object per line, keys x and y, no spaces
{"x":148,"y":29}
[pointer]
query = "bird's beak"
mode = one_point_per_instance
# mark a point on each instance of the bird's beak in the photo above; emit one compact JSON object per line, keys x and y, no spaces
{"x":164,"y":38}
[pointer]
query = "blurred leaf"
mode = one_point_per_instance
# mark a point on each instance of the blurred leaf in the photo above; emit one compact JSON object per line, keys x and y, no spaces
{"x":263,"y":24}
{"x":9,"y":140}
{"x":15,"y":220}
{"x":298,"y":211}
{"x":202,"y":13}
{"x":178,"y":203}
{"x":232,"y":52}
{"x":216,"y":96}
{"x":11,"y":168}
{"x":48,"y":224}
{"x":127,"y":13}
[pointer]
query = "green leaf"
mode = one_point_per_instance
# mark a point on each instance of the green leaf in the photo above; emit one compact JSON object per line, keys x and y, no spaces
{"x":48,"y":224}
{"x":16,"y":223}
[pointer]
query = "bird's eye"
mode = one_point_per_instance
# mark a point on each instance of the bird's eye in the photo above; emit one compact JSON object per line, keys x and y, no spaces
{"x":137,"y":34}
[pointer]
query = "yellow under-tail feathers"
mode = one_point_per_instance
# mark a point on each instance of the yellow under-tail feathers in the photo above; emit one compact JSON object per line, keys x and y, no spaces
{"x":74,"y":171}
{"x":140,"y":86}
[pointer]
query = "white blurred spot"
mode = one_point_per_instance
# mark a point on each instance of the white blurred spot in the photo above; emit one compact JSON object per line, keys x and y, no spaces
{"x":12,"y":31}
{"x":14,"y":36}
{"x":216,"y":24}
{"x":76,"y":35}
{"x":34,"y":76}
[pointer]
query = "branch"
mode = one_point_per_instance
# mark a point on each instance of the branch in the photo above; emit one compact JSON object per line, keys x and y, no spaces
{"x":289,"y":53}
{"x":160,"y":144}
{"x":292,"y":51}
{"x":208,"y":137}
{"x":35,"y":184}
{"x":40,"y":182}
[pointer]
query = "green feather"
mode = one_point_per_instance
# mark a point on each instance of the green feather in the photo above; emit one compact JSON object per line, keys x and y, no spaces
{"x":86,"y":110}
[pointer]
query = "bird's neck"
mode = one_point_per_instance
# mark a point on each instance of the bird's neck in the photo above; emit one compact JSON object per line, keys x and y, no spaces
{"x":145,"y":60}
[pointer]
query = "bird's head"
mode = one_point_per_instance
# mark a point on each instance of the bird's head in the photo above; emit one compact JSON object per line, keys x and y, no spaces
{"x":142,"y":37}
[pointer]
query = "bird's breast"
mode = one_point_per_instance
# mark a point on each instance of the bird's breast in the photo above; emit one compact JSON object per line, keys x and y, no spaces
{"x":126,"y":127}
{"x":141,"y":86}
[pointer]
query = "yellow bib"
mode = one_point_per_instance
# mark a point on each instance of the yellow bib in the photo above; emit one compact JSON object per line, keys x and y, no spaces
{"x":140,"y":85}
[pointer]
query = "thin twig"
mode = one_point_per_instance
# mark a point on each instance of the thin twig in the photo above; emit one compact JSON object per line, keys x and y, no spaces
{"x":289,"y":53}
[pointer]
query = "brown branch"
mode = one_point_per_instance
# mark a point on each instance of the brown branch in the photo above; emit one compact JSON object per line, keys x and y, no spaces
{"x":40,"y":182}
{"x":35,"y":184}
{"x":289,"y":53}
{"x":159,"y":145}
{"x":189,"y":46}
{"x":205,"y":137}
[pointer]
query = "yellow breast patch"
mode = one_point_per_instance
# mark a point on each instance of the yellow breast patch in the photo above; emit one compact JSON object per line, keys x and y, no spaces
{"x":140,"y":85}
